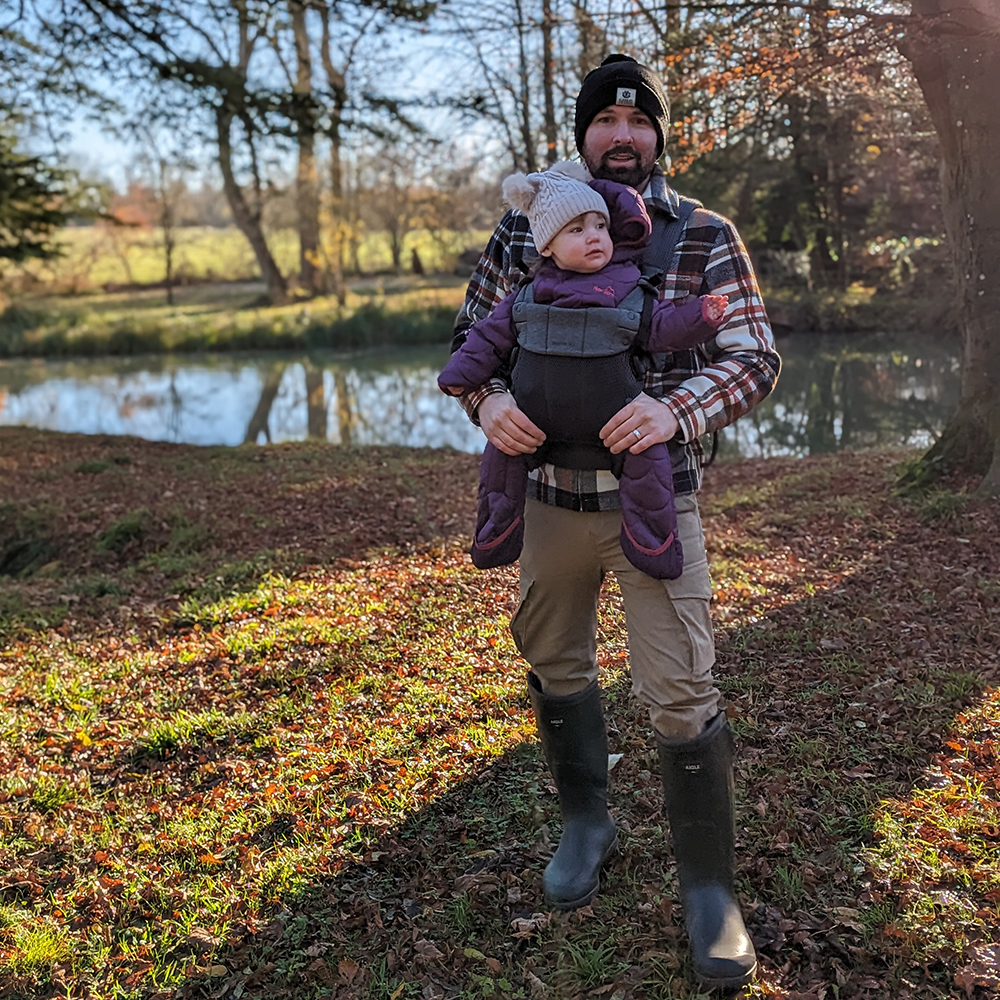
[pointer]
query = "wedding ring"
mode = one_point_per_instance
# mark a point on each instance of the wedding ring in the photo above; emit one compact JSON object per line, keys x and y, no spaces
{"x":638,"y":436}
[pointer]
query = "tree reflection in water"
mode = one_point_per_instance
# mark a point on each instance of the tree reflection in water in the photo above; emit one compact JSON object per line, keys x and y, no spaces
{"x":852,"y":391}
{"x":835,"y":392}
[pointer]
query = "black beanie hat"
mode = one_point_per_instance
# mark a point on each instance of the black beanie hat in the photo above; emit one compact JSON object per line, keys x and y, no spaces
{"x":621,"y":80}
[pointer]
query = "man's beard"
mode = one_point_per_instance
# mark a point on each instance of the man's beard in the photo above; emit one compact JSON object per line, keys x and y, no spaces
{"x":635,"y":176}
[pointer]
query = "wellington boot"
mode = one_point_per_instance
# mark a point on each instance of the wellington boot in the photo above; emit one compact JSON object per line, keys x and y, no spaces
{"x":575,"y":744}
{"x":698,"y":785}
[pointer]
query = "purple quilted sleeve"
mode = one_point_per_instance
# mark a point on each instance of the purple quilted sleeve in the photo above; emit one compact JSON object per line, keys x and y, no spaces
{"x":679,"y":326}
{"x":487,"y":347}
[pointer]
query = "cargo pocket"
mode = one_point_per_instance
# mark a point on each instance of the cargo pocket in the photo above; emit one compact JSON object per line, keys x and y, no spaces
{"x":691,"y":592}
{"x":521,"y":618}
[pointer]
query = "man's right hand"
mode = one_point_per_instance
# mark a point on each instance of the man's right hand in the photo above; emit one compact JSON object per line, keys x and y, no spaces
{"x":506,"y":426}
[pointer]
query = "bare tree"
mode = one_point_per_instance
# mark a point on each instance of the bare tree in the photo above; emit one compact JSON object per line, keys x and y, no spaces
{"x":166,"y":171}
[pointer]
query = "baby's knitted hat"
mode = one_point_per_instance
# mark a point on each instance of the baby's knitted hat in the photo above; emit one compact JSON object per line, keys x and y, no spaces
{"x":552,"y":198}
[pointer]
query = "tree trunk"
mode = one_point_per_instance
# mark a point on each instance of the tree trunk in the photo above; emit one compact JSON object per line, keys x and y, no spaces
{"x":548,"y":85}
{"x":955,"y":52}
{"x":168,"y":254}
{"x":246,"y":219}
{"x":396,"y":249}
{"x":527,"y":137}
{"x":593,"y":44}
{"x":307,"y":181}
{"x":337,"y":83}
{"x":169,"y":232}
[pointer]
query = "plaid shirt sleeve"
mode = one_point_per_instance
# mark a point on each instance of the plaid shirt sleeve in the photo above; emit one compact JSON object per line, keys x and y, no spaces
{"x":742,"y":364}
{"x":496,"y":274}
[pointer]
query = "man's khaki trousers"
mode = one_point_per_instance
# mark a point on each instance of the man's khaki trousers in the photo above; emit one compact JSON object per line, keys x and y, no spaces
{"x":565,"y":558}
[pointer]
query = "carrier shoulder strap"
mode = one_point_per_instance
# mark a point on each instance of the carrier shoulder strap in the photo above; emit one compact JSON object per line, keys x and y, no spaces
{"x":662,"y":244}
{"x":667,"y":233}
{"x":658,"y":256}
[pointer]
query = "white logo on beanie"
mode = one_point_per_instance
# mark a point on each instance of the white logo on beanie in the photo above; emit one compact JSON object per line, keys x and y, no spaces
{"x":626,"y":97}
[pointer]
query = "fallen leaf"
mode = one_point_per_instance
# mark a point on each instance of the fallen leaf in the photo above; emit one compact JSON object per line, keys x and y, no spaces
{"x":348,"y":969}
{"x":428,"y":950}
{"x":537,"y":987}
{"x":526,"y":926}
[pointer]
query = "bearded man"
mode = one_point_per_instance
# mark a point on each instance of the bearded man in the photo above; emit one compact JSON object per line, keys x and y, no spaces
{"x":572,"y":526}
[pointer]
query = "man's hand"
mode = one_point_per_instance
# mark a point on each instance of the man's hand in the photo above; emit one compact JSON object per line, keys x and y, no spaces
{"x":654,"y":422}
{"x":506,"y":426}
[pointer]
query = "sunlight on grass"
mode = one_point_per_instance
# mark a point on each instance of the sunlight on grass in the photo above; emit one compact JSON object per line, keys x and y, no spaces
{"x":939,"y":849}
{"x":308,"y":767}
{"x":30,"y":945}
{"x":94,"y":256}
{"x":310,"y":715}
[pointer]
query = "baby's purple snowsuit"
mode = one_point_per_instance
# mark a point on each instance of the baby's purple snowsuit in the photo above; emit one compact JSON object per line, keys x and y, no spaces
{"x":649,"y":521}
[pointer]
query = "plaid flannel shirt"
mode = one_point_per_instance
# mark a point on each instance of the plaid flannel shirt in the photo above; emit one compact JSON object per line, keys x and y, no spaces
{"x":706,"y":388}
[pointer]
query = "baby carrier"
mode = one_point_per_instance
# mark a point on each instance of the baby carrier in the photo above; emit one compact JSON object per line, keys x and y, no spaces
{"x":574,"y":369}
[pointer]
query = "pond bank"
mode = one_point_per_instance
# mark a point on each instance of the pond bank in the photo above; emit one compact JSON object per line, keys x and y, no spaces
{"x":398,"y":311}
{"x":230,"y":317}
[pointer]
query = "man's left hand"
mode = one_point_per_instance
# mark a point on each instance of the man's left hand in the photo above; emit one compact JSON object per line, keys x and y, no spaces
{"x":653,"y":421}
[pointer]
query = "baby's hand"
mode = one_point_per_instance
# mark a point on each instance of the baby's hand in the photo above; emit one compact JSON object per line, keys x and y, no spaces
{"x":452,"y":390}
{"x":713,"y":308}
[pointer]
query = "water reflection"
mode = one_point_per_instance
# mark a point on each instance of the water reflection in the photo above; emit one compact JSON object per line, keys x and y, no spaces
{"x":835,"y":392}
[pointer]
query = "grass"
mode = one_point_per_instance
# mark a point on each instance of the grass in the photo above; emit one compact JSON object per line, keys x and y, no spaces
{"x":96,"y":256}
{"x":277,"y":743}
{"x":96,"y":300}
{"x":407,"y":311}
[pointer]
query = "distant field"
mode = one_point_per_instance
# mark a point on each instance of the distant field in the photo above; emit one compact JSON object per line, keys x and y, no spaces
{"x":97,"y":256}
{"x":103,"y":296}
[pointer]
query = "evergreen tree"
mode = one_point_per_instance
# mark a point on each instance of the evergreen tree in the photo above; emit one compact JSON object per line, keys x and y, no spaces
{"x":32,"y":205}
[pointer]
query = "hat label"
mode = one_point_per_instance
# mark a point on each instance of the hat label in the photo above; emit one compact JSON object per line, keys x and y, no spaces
{"x":626,"y":97}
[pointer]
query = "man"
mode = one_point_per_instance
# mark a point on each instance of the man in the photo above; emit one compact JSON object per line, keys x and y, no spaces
{"x":572,"y":526}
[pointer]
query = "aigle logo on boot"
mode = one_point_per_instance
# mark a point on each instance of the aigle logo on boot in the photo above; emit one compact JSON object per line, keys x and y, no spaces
{"x":626,"y":97}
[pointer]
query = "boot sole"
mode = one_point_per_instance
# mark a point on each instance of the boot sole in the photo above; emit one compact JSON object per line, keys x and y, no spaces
{"x":587,"y":897}
{"x":730,"y":982}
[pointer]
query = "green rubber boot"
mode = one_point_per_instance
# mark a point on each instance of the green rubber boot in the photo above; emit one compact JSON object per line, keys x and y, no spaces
{"x":698,"y":786}
{"x":575,"y":744}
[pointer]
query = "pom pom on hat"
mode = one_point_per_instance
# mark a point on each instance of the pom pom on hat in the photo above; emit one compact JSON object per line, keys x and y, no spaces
{"x":552,"y":198}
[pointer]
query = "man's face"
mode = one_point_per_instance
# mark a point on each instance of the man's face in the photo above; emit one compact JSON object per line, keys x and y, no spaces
{"x":620,"y":145}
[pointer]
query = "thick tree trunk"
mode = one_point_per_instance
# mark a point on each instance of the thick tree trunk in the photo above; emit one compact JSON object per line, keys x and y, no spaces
{"x":527,"y":135}
{"x":246,"y":218}
{"x":307,"y":181}
{"x":955,"y":51}
{"x":593,"y":43}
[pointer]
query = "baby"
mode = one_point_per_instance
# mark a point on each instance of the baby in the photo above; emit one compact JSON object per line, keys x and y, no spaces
{"x":573,"y":340}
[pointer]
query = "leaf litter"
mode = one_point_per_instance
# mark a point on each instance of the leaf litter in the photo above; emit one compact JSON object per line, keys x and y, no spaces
{"x":273,"y":740}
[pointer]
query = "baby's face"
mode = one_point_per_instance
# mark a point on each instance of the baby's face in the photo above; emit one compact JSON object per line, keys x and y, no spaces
{"x":582,"y":245}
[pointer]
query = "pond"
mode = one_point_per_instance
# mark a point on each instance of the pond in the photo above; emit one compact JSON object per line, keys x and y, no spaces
{"x":835,"y":392}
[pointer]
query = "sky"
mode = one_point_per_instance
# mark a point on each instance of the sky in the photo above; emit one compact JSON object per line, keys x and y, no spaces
{"x":422,"y":66}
